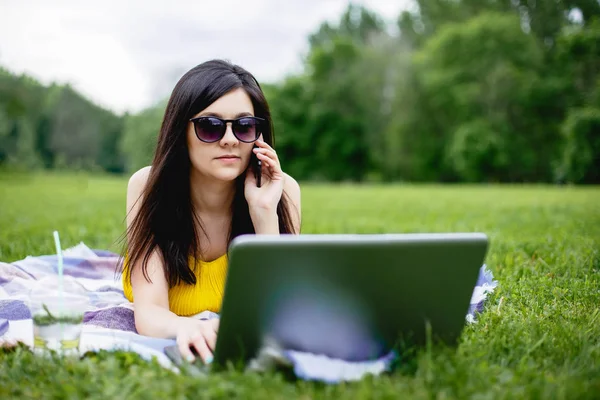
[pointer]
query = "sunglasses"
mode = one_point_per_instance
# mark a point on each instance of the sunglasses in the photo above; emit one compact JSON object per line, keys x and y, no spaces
{"x":212,"y":129}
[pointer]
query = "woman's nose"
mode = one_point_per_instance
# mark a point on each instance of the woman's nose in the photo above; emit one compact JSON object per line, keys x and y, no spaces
{"x":229,"y":137}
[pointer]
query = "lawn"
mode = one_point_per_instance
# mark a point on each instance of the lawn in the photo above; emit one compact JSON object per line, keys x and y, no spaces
{"x":539,"y":336}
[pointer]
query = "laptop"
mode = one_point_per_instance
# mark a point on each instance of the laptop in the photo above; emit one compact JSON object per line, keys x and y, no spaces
{"x":353,"y":297}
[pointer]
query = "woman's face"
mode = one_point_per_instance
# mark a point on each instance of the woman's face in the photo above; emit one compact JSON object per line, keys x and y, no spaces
{"x":228,"y":158}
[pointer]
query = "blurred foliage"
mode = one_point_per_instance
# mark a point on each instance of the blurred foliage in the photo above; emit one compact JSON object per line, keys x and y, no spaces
{"x":140,"y":132}
{"x":460,"y":91}
{"x":55,"y":127}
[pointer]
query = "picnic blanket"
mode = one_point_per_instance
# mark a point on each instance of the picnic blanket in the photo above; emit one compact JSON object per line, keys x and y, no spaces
{"x":109,"y":322}
{"x":107,"y":325}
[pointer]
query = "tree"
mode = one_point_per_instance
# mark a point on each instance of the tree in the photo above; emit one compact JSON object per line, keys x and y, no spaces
{"x":345,"y":89}
{"x":140,"y":135}
{"x":478,"y":75}
{"x":545,"y":19}
{"x":581,"y":154}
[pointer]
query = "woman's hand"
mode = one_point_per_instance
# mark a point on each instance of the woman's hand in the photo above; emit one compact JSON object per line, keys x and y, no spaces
{"x":263,"y":200}
{"x":199,"y":334}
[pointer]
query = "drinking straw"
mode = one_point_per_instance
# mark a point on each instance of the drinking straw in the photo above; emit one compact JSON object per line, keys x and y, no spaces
{"x":60,"y":270}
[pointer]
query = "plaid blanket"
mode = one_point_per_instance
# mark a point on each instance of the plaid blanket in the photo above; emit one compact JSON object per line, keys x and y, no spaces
{"x":108,"y":323}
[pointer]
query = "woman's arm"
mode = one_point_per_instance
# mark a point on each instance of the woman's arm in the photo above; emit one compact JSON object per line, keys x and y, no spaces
{"x":265,"y":220}
{"x":151,"y":298}
{"x":262,"y":202}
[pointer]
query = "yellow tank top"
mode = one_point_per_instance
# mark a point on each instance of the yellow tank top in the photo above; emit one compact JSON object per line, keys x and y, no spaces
{"x":206,"y":294}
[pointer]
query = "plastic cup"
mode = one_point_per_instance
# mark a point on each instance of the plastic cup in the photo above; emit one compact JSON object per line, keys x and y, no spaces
{"x":57,"y":321}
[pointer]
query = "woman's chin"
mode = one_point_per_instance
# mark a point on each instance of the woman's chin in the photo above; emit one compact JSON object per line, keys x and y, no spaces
{"x":228,"y":176}
{"x":220,"y":174}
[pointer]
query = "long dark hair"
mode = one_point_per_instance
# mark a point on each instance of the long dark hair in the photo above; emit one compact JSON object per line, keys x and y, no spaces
{"x":165,"y":220}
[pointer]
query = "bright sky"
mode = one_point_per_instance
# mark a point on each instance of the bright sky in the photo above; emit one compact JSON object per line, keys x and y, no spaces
{"x":127,"y":54}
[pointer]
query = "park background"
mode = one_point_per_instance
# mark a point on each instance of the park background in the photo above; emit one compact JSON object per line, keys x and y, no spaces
{"x":394,"y":116}
{"x":448,"y":91}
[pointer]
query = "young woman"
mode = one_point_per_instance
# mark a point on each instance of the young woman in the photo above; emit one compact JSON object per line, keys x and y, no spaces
{"x":199,"y":193}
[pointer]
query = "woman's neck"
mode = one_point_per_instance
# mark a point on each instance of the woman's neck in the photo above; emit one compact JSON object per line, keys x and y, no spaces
{"x":211,"y":197}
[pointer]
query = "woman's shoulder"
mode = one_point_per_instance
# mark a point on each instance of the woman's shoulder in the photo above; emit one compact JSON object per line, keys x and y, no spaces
{"x":136,"y":185}
{"x":291,"y":187}
{"x":139,"y":179}
{"x":292,"y":190}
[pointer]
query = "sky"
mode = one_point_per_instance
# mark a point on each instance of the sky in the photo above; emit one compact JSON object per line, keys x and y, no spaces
{"x":125,"y":55}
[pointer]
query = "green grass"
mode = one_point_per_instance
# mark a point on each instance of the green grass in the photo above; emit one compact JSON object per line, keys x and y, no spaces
{"x":538,"y":338}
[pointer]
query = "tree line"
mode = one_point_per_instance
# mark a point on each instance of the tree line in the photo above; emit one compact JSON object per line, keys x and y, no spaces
{"x":455,"y":91}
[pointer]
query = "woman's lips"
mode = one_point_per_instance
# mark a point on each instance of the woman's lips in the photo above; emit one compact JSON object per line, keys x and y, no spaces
{"x":228,"y":159}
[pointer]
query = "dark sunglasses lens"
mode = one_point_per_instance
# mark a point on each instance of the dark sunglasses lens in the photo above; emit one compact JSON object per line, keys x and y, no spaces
{"x":246,"y":129}
{"x":209,"y":129}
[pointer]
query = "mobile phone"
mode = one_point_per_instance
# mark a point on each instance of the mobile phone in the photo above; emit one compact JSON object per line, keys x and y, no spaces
{"x":256,"y":166}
